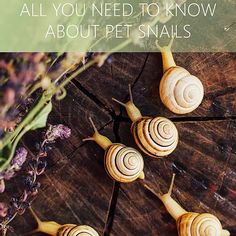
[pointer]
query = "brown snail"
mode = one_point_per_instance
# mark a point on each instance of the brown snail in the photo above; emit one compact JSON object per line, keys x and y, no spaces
{"x":123,"y":164}
{"x":180,"y":91}
{"x":53,"y":228}
{"x":190,"y":223}
{"x":157,"y":137}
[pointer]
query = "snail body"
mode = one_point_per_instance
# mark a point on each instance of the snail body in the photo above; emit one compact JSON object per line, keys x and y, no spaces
{"x":123,"y":164}
{"x":157,"y":137}
{"x":53,"y":228}
{"x":190,"y":223}
{"x":179,"y":91}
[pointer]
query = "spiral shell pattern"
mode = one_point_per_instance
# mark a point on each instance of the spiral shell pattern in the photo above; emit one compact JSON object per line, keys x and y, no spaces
{"x":180,"y":91}
{"x":194,"y":224}
{"x":157,"y":137}
{"x":123,"y":164}
{"x":74,"y":230}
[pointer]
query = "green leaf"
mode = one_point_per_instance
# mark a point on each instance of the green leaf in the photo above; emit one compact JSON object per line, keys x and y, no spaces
{"x":40,"y":120}
{"x":6,"y":155}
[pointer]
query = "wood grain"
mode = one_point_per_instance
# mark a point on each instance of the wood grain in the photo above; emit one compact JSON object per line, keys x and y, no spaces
{"x":202,"y":162}
{"x":76,"y":188}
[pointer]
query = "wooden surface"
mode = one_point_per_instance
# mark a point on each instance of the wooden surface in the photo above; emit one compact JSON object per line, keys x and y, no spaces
{"x":76,"y":188}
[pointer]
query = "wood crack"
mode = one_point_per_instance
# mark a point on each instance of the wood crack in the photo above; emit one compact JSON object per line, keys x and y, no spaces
{"x":142,"y":69}
{"x":84,"y":143}
{"x":92,"y":97}
{"x":112,"y":208}
{"x":116,"y":188}
{"x":199,"y":119}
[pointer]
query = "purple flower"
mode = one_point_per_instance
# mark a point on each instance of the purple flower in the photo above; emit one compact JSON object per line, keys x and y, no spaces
{"x":110,"y":59}
{"x":57,"y":131}
{"x":8,"y":174}
{"x":15,"y":165}
{"x":19,"y":158}
{"x":3,"y":209}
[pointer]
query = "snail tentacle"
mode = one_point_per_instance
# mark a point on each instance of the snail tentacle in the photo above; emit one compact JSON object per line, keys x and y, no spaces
{"x":52,"y":228}
{"x":190,"y":223}
{"x":119,"y":102}
{"x":93,"y":125}
{"x":171,"y":185}
{"x":167,"y":57}
{"x":123,"y":164}
{"x":101,"y":140}
{"x":130,"y":94}
{"x":157,"y":137}
{"x":132,"y":111}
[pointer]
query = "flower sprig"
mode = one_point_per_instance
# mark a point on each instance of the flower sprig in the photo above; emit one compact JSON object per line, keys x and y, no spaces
{"x":35,"y":167}
{"x":16,"y":163}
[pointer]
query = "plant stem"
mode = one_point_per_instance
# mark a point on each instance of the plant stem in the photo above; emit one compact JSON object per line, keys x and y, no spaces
{"x":76,"y":73}
{"x":19,"y":136}
{"x":47,"y":96}
{"x":92,"y":62}
{"x":42,"y":101}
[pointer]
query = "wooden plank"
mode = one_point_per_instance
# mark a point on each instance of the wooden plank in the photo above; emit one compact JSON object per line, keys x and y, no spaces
{"x":205,"y":165}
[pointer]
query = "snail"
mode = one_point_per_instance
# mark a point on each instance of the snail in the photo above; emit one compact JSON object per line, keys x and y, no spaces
{"x":53,"y":228}
{"x":123,"y":164}
{"x":190,"y":223}
{"x":180,"y":91}
{"x":157,"y":137}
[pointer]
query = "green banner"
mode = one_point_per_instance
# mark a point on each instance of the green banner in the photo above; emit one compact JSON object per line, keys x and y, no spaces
{"x":110,"y":25}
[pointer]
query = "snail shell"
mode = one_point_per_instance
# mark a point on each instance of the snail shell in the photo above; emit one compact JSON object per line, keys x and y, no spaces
{"x":194,"y":224}
{"x":180,"y":91}
{"x":190,"y":223}
{"x":123,"y":164}
{"x":74,"y":230}
{"x":155,"y":136}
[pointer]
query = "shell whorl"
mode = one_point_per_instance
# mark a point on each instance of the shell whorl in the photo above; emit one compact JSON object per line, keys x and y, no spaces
{"x":123,"y":164}
{"x":194,"y":224}
{"x":180,"y":91}
{"x":157,"y":137}
{"x":74,"y":230}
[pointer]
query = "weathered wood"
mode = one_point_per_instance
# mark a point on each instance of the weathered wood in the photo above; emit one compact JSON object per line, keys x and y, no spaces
{"x":112,"y":80}
{"x":76,"y":187}
{"x":216,"y":71}
{"x":202,"y":162}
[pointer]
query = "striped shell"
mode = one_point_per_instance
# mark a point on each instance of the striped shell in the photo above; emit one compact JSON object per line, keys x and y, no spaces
{"x":194,"y":224}
{"x":74,"y":230}
{"x":123,"y":164}
{"x":157,"y":137}
{"x":180,"y":91}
